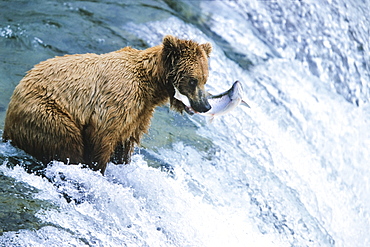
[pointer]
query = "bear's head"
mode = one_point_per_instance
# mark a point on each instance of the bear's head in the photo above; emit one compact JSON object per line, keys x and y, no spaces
{"x":186,"y":65}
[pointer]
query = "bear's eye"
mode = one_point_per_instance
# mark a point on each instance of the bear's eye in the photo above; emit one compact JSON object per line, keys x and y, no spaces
{"x":193,"y":82}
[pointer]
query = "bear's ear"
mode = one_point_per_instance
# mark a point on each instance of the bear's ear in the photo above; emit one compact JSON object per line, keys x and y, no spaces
{"x":170,"y":43}
{"x":207,"y":47}
{"x":171,"y":49}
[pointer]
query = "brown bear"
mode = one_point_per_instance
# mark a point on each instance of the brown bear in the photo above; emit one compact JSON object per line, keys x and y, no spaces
{"x":92,"y":109}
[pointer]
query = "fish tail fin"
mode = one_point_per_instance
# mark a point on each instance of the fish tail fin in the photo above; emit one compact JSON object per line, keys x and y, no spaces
{"x":244,"y":104}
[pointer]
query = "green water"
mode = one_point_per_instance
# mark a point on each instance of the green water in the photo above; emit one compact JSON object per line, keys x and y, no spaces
{"x":18,"y":205}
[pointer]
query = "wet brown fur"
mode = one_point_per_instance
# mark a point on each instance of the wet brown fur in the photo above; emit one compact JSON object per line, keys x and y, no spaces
{"x":91,"y":108}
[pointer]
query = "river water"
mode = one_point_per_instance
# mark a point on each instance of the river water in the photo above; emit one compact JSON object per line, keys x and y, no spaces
{"x":292,"y":170}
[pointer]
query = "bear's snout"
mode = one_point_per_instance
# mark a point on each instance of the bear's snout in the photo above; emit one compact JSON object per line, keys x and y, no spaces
{"x":201,"y":104}
{"x":202,"y":107}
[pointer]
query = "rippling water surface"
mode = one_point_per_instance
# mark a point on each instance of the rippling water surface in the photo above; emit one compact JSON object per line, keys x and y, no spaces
{"x":293,"y":170}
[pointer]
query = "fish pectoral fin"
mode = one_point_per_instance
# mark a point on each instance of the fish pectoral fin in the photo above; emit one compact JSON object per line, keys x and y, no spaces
{"x":244,"y":104}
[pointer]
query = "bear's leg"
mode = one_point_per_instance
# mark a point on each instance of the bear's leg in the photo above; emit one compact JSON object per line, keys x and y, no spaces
{"x":122,"y":153}
{"x":98,"y":147}
{"x":117,"y":157}
{"x":129,"y":149}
